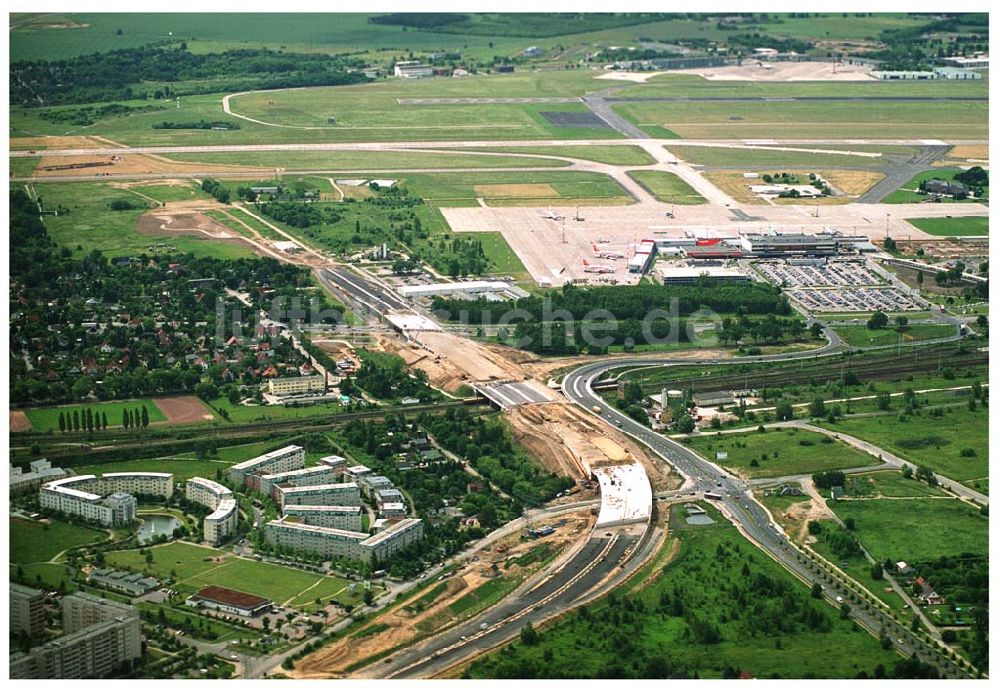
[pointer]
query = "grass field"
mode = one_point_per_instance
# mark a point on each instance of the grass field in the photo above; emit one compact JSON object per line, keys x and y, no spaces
{"x":936,"y":442}
{"x":970,"y":225}
{"x":181,"y":468}
{"x":752,"y":159}
{"x":512,"y":189}
{"x":196,"y":566}
{"x":616,"y":155}
{"x":888,"y":484}
{"x":371,"y":160}
{"x":502,"y":257}
{"x":907,"y":194}
{"x":840,"y":119}
{"x":91,"y":224}
{"x":185,"y":192}
{"x":33,"y":541}
{"x":696,"y":593}
{"x":666,"y":187}
{"x":23,"y":167}
{"x":47,"y":418}
{"x":40,"y":574}
{"x":482,"y":597}
{"x":252,"y":414}
{"x":915,"y":530}
{"x":860,"y":335}
{"x":779,"y":452}
{"x":679,"y":85}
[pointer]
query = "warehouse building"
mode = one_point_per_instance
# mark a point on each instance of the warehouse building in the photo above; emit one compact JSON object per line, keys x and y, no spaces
{"x":673,"y":276}
{"x":100,"y":636}
{"x":225,"y":516}
{"x":344,"y":517}
{"x":123,"y":582}
{"x":285,"y":459}
{"x":225,"y":600}
{"x":412,"y":69}
{"x":780,"y":244}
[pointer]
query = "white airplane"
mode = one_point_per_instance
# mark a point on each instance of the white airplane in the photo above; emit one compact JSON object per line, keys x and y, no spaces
{"x":608,"y":254}
{"x":602,"y":240}
{"x":553,"y":215}
{"x":589,"y":268}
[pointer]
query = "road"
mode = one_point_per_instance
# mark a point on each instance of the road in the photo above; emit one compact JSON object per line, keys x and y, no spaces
{"x":738,"y":503}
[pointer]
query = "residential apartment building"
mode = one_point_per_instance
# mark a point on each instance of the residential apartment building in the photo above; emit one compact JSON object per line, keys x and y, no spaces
{"x":343,"y":494}
{"x":337,"y":543}
{"x":314,"y":475}
{"x":75,"y":496}
{"x":27,"y":610}
{"x":346,"y":518}
{"x":39,"y":471}
{"x":248,"y":472}
{"x":223,"y":520}
{"x":291,"y":386}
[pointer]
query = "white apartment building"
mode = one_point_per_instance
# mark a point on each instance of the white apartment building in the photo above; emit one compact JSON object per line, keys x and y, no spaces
{"x":334,"y":543}
{"x":285,"y":459}
{"x":346,"y":518}
{"x":73,"y":496}
{"x":291,"y":386}
{"x":314,"y":475}
{"x":39,"y":471}
{"x":224,"y":518}
{"x":343,"y":494}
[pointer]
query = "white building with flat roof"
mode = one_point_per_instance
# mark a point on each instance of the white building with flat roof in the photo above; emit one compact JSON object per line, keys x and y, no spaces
{"x":412,"y":69}
{"x":107,"y":500}
{"x":39,"y":471}
{"x":342,"y":494}
{"x":344,"y":517}
{"x":291,"y":386}
{"x":285,"y":459}
{"x":223,"y":520}
{"x":314,"y":475}
{"x":337,"y":543}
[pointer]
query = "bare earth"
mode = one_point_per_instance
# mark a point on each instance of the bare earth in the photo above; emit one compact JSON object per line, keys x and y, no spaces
{"x":19,"y":422}
{"x":131,"y":164}
{"x":184,"y":409}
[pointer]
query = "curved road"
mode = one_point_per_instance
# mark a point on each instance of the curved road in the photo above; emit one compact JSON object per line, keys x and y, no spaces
{"x":738,"y":503}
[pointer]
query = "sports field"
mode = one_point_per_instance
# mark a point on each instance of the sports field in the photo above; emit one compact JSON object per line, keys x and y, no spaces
{"x":35,"y":541}
{"x":969,"y":225}
{"x":47,"y":418}
{"x":196,"y":566}
{"x":927,"y":440}
{"x":775,"y":453}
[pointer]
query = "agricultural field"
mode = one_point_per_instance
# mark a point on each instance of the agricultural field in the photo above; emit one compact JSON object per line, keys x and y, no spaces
{"x":47,"y":418}
{"x":969,"y":225}
{"x":690,"y":611}
{"x":776,"y":453}
{"x":34,"y":541}
{"x":915,"y":530}
{"x":840,"y":119}
{"x":860,"y":335}
{"x":666,"y":187}
{"x":929,"y":440}
{"x":196,"y":567}
{"x":91,"y":224}
{"x":907,"y":194}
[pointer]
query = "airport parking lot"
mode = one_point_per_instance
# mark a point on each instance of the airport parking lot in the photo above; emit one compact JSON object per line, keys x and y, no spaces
{"x":829,"y":274}
{"x":887,"y":299}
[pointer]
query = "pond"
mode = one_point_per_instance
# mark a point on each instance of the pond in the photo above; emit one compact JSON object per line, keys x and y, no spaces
{"x":155,"y":525}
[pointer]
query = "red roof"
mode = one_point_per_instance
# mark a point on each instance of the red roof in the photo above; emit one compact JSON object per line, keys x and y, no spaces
{"x":225,"y":596}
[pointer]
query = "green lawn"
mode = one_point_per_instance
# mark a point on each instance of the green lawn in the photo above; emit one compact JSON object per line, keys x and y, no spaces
{"x":482,"y":597}
{"x":681,"y":85}
{"x":47,"y":418}
{"x":888,"y":484}
{"x":252,"y":414}
{"x":23,"y":167}
{"x":915,"y":530}
{"x":767,"y":158}
{"x":39,"y":574}
{"x":936,"y":442}
{"x":840,"y":119}
{"x":781,"y":452}
{"x":719,"y":604}
{"x":33,"y":541}
{"x":185,"y":192}
{"x":907,"y":194}
{"x":616,"y":155}
{"x":969,"y":225}
{"x":91,"y":224}
{"x":501,"y":188}
{"x":501,"y":256}
{"x":371,"y":160}
{"x":666,"y":187}
{"x":197,"y":566}
{"x":861,"y":335}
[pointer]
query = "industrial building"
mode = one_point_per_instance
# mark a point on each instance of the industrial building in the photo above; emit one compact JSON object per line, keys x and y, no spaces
{"x":491,"y":290}
{"x":27,"y":610}
{"x":673,"y":276}
{"x":412,"y":69}
{"x":223,"y":520}
{"x":100,"y":636}
{"x":123,"y":582}
{"x":972,"y":62}
{"x":285,"y":459}
{"x":779,"y":244}
{"x":644,"y":253}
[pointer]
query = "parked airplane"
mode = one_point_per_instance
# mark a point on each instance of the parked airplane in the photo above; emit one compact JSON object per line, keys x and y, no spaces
{"x":608,"y":254}
{"x":589,"y":268}
{"x":553,"y":215}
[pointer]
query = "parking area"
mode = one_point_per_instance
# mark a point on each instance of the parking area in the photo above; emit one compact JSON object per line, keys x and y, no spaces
{"x":834,"y":273}
{"x":887,"y":299}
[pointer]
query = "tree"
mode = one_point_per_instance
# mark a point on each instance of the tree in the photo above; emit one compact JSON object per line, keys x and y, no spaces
{"x":815,"y":330}
{"x":877,"y":571}
{"x":76,"y":421}
{"x":783,"y":410}
{"x":125,"y":418}
{"x":266,"y":622}
{"x":920,"y":279}
{"x":145,"y":417}
{"x":901,"y":322}
{"x":816,"y":591}
{"x":845,"y":611}
{"x":90,"y":420}
{"x":62,"y":422}
{"x":104,"y":420}
{"x":878,"y":320}
{"x":817,"y":409}
{"x":883,"y":400}
{"x":529,"y":637}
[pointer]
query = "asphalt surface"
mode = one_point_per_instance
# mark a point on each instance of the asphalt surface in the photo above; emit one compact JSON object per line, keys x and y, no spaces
{"x":509,"y":394}
{"x":368,"y":293}
{"x":900,"y":173}
{"x":556,"y":593}
{"x":737,"y":502}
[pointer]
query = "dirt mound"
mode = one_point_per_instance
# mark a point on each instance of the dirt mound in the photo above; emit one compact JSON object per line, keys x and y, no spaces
{"x":19,"y":422}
